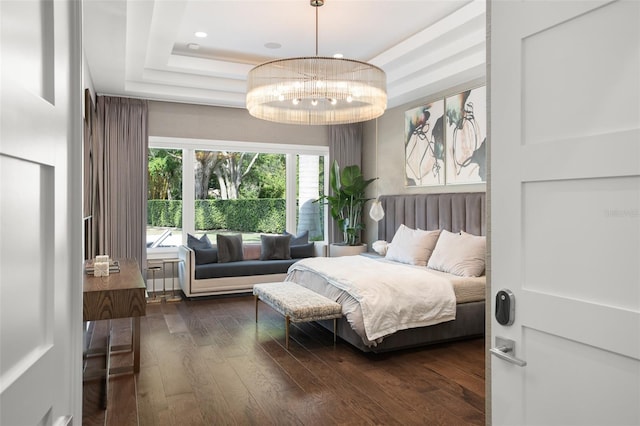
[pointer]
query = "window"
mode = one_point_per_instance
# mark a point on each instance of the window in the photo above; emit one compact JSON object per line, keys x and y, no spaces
{"x":164,"y":201}
{"x":241,"y":192}
{"x":234,"y":187}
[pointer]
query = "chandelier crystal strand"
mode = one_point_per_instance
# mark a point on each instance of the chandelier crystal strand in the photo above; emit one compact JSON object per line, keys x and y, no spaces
{"x":316,"y":90}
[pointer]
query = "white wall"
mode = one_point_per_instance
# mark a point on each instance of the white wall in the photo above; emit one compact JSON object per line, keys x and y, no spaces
{"x":87,"y":82}
{"x":390,"y":163}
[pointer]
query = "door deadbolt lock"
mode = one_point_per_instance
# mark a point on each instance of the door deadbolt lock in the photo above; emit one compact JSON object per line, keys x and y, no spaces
{"x":505,"y":307}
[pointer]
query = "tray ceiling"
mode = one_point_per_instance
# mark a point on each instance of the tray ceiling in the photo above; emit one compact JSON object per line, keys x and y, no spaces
{"x":147,"y":48}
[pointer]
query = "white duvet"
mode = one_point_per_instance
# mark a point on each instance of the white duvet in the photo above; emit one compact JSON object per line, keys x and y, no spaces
{"x":392,"y":297}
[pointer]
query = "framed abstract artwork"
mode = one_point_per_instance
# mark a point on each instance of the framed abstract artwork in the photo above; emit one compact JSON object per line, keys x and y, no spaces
{"x":424,"y":145}
{"x":445,"y":141}
{"x":466,"y":137}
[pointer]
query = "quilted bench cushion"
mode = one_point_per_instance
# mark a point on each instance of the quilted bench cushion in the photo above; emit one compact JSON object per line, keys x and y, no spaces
{"x":297,"y":302}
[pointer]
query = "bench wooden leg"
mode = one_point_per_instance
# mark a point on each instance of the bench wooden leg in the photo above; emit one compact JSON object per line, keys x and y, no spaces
{"x":286,"y":331}
{"x":335,"y":322}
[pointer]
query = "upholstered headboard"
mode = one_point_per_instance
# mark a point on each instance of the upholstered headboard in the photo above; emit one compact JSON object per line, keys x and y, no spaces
{"x":454,"y":212}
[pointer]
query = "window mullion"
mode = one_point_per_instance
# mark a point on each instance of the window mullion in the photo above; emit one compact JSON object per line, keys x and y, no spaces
{"x":188,"y":193}
{"x":291,"y":165}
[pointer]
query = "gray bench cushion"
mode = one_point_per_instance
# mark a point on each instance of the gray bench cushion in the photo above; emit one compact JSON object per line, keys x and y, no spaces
{"x":243,"y":268}
{"x":296,"y":302}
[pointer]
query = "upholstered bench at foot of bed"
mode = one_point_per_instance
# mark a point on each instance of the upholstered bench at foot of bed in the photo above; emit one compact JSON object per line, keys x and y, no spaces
{"x":297,"y":304}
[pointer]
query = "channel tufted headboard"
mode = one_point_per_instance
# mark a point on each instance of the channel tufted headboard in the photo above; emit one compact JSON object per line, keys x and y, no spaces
{"x":454,"y":212}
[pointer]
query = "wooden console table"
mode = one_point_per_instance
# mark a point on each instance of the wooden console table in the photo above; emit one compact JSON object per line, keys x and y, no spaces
{"x":119,"y":295}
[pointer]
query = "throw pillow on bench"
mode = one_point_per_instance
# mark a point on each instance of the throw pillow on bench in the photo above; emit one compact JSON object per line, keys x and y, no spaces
{"x":229,"y":248}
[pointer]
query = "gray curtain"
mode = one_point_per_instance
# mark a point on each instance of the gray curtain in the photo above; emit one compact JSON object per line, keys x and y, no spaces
{"x":90,"y":124}
{"x":120,"y":178}
{"x":345,"y":146}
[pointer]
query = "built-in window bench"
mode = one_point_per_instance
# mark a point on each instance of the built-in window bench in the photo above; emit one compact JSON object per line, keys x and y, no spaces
{"x":211,"y":278}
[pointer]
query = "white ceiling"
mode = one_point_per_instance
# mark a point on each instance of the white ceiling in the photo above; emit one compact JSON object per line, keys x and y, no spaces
{"x":138,"y":48}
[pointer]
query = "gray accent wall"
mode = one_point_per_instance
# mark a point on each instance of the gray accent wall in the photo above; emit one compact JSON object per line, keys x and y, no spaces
{"x":389,"y":137}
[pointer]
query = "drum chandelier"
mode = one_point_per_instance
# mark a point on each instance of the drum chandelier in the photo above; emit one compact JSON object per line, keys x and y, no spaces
{"x":316,"y":90}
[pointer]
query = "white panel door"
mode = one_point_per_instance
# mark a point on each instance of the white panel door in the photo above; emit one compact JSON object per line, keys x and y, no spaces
{"x":565,"y":218}
{"x":40,"y":213}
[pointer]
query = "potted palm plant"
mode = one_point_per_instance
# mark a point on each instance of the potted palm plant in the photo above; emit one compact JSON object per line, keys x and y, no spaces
{"x":346,"y":202}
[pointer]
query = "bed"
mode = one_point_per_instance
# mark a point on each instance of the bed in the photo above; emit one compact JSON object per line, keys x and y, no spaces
{"x":454,"y":212}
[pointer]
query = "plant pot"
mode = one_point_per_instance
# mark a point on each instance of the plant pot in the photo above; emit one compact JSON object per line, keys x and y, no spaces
{"x":337,"y":250}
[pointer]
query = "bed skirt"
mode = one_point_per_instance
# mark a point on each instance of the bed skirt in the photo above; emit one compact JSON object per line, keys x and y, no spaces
{"x":469,"y":322}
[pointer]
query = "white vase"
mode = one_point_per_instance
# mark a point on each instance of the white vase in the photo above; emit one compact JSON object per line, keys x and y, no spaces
{"x":337,"y":250}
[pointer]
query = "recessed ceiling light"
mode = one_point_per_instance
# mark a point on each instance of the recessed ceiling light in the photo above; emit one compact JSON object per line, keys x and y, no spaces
{"x":272,"y":45}
{"x":200,"y":34}
{"x":338,"y":55}
{"x":193,"y":46}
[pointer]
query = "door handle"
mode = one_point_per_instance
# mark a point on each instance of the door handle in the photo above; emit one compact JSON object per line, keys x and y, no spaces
{"x":505,"y":349}
{"x":64,"y":421}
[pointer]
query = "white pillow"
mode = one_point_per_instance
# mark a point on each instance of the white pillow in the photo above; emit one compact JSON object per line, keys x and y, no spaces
{"x":380,"y":247}
{"x":412,"y":246}
{"x":459,"y":254}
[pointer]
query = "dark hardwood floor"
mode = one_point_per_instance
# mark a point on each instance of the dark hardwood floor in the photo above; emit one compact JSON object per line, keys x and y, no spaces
{"x":205,"y":362}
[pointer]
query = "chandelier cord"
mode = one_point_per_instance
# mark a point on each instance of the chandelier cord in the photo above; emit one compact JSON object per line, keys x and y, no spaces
{"x":316,"y":30}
